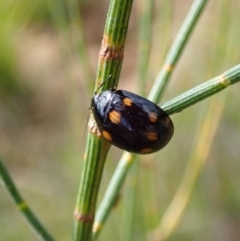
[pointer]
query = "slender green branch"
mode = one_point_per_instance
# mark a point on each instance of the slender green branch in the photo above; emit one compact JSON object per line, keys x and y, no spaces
{"x":86,"y":200}
{"x":68,"y":23}
{"x":202,"y":91}
{"x":197,"y":158}
{"x":176,"y":50}
{"x":112,"y":47}
{"x":27,"y":213}
{"x":110,"y":62}
{"x":144,"y":46}
{"x":203,"y":135}
{"x":112,"y":192}
{"x":77,"y":31}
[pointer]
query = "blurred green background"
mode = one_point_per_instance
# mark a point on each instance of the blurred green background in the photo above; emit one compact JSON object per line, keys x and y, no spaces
{"x":46,"y":80}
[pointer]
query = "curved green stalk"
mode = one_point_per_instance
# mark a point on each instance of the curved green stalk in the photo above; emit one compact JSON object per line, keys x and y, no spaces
{"x":202,"y":91}
{"x":70,"y":29}
{"x":22,"y":206}
{"x":144,"y":46}
{"x":110,"y":62}
{"x":197,"y":158}
{"x":176,"y":50}
{"x":84,"y":213}
{"x":204,"y":137}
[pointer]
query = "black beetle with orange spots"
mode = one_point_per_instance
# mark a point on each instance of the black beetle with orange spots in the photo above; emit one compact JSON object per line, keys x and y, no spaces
{"x":131,"y":122}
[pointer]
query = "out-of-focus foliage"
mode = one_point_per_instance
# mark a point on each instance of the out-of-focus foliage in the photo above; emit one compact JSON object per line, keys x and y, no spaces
{"x":41,"y":137}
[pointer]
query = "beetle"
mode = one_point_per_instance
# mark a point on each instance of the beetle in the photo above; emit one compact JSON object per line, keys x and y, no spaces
{"x":131,"y":122}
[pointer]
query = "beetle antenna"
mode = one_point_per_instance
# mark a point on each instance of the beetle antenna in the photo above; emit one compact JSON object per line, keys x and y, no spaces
{"x":109,"y":76}
{"x":86,"y":122}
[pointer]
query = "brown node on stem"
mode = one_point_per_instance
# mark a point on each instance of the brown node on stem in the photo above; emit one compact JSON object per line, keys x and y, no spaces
{"x":85,"y":218}
{"x":109,"y":51}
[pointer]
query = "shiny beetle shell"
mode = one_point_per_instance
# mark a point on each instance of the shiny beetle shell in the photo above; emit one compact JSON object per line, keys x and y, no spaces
{"x":131,"y":122}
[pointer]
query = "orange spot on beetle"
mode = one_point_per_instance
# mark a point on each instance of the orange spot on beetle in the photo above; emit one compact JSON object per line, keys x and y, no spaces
{"x":152,"y":136}
{"x":115,"y":117}
{"x":152,"y":117}
{"x":146,"y":150}
{"x":107,"y":135}
{"x":127,"y":101}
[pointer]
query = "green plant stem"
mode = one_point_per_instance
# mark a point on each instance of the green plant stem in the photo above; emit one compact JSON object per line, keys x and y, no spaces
{"x":89,"y":185}
{"x":176,"y":50}
{"x":204,"y":137}
{"x":68,"y":23}
{"x":144,"y":46}
{"x":112,"y":192}
{"x":22,"y":206}
{"x":112,"y":47}
{"x":79,"y":40}
{"x":162,"y":79}
{"x":110,"y":62}
{"x":202,"y":91}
